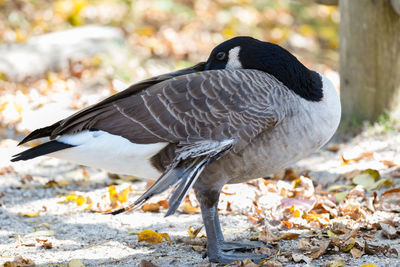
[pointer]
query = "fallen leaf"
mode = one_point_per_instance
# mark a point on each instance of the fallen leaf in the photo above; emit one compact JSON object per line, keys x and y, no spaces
{"x":151,"y":207}
{"x":270,"y":263}
{"x":339,"y":197}
{"x":47,"y":245}
{"x":152,"y":237}
{"x":163,"y":203}
{"x":112,"y":192}
{"x":76,"y":263}
{"x":7,"y":170}
{"x":19,"y":262}
{"x":322,"y":247}
{"x":390,"y":200}
{"x":189,"y":209}
{"x":297,"y":257}
{"x":145,"y":263}
{"x":333,"y":147}
{"x":32,"y":214}
{"x":150,"y":183}
{"x":54,"y":183}
{"x":287,"y":224}
{"x":389,"y":231}
{"x":356,"y":253}
{"x":336,"y":263}
{"x":368,"y":265}
{"x":288,"y":236}
{"x":194,"y":232}
{"x":124,"y":194}
{"x":388,"y":163}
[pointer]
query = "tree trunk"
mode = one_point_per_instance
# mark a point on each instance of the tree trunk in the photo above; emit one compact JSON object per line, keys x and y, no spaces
{"x":369,"y":59}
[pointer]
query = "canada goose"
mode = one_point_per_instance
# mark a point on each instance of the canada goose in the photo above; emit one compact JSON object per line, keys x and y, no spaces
{"x":251,"y":110}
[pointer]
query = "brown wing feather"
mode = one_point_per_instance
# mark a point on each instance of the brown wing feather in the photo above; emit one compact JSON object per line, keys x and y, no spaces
{"x":84,"y":118}
{"x":211,"y":105}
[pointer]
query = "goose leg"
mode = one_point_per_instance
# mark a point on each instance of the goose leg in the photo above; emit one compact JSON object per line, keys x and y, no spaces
{"x":215,"y":240}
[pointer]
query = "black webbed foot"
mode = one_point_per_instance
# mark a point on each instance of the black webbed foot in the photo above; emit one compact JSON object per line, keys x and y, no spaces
{"x":243,"y":245}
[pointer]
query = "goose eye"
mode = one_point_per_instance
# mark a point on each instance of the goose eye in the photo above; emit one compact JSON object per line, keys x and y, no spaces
{"x":220,"y":55}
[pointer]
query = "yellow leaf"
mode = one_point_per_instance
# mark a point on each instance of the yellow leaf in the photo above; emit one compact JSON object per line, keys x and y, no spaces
{"x":368,"y":265}
{"x":188,"y":209}
{"x":152,"y":237}
{"x":123,"y":195}
{"x":71,"y":197}
{"x":194,"y":232}
{"x":80,"y":200}
{"x":113,"y":195}
{"x":331,"y":234}
{"x":349,"y":246}
{"x":33,"y":214}
{"x":296,"y":213}
{"x":336,"y":263}
{"x":76,"y":263}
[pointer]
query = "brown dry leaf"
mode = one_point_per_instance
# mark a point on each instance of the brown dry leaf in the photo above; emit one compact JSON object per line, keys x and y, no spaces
{"x":297,"y":257}
{"x":390,"y":200}
{"x":267,"y":236}
{"x":356,"y":253}
{"x":145,"y":263}
{"x":150,"y":183}
{"x":395,"y":172}
{"x":76,"y":263}
{"x":333,"y":147}
{"x":54,"y":183}
{"x":163,"y":203}
{"x":389,"y":231}
{"x":322,"y":247}
{"x":194,"y":232}
{"x":151,"y":207}
{"x":47,"y":245}
{"x":32,"y":214}
{"x":388,"y":163}
{"x":385,"y":250}
{"x":270,"y":263}
{"x":7,"y":170}
{"x":288,"y":236}
{"x":152,"y":237}
{"x":19,"y":262}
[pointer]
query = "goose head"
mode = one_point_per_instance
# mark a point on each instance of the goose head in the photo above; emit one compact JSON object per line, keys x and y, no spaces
{"x":248,"y":53}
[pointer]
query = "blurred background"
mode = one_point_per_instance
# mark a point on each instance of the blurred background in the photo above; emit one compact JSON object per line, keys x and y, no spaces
{"x":53,"y":61}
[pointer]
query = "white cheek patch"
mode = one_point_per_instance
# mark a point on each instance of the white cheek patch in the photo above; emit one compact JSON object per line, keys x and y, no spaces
{"x":233,"y":59}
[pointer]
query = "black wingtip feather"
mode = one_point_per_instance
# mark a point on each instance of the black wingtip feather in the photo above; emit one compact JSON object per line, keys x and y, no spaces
{"x":40,"y":150}
{"x":39,"y":133}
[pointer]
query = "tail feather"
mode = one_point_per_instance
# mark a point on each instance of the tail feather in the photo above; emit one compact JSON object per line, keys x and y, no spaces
{"x":184,"y":171}
{"x":40,"y":150}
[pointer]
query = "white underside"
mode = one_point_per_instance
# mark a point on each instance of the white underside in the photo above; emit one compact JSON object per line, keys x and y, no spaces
{"x":110,"y":152}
